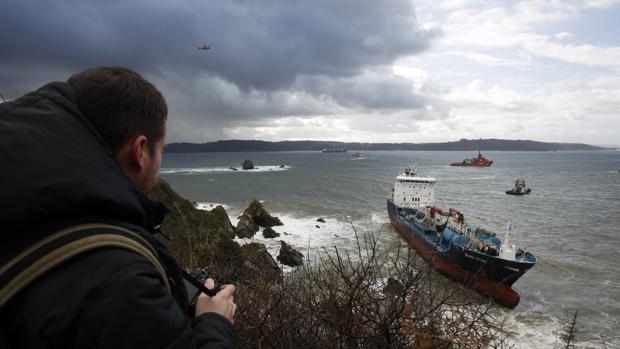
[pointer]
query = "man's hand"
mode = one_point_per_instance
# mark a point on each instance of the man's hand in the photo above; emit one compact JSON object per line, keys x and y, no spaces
{"x":222,"y":303}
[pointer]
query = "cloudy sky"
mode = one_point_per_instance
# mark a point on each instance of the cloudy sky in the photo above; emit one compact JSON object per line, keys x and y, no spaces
{"x":353,"y":70}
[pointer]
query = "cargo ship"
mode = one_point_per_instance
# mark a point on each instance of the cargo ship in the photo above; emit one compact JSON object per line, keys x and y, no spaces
{"x":480,"y":161}
{"x":474,"y":256}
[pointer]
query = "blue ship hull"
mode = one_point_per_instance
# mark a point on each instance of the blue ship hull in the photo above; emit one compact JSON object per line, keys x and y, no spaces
{"x":447,"y":252}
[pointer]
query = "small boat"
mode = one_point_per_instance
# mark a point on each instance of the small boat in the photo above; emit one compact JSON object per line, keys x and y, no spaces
{"x":474,"y":256}
{"x":357,"y":155}
{"x":520,"y":188}
{"x":480,"y":161}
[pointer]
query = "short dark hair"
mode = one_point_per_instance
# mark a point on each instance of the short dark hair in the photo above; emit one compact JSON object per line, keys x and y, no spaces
{"x":120,"y":104}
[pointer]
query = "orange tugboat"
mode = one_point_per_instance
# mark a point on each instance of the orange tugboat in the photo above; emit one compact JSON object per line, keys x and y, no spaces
{"x":480,"y":161}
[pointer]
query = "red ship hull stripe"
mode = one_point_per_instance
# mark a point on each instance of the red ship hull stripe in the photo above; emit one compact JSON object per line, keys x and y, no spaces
{"x":501,"y":293}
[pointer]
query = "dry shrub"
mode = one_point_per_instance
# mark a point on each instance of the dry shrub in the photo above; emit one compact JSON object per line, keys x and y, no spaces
{"x":372,"y":298}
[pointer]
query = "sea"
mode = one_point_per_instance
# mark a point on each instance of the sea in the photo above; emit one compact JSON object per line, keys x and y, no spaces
{"x":570,"y":220}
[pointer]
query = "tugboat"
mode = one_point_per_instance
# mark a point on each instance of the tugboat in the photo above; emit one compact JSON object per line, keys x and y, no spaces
{"x":475,"y":257}
{"x":519,"y":188}
{"x":480,"y":161}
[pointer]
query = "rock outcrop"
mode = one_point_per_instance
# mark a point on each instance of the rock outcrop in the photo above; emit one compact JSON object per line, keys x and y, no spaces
{"x":394,"y":288}
{"x":246,"y":228}
{"x":289,"y":256}
{"x":320,"y":220}
{"x":203,"y":239}
{"x":269,"y":233}
{"x":261,"y":216}
{"x":254,"y":216}
{"x":258,"y":263}
{"x":247,"y":165}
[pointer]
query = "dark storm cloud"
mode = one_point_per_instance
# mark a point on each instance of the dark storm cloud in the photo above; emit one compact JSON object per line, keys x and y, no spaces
{"x":258,"y":48}
{"x":371,"y":90}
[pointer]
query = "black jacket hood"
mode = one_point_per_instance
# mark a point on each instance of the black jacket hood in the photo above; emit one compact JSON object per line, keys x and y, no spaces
{"x":56,"y":168}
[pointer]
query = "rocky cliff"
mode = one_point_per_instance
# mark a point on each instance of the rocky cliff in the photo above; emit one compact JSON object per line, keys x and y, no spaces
{"x":199,"y":238}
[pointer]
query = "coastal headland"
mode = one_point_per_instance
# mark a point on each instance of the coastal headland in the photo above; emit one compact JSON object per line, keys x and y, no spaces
{"x":460,"y":145}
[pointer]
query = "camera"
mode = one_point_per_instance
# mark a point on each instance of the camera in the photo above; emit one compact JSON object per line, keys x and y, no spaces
{"x":194,"y":283}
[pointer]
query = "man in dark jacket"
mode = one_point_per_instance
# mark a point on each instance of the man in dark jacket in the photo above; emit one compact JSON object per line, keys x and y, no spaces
{"x":89,"y":150}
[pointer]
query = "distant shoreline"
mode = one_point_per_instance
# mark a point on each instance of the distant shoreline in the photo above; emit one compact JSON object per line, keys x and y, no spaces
{"x":461,"y":145}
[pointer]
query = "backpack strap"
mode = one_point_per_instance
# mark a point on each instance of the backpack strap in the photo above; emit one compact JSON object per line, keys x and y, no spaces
{"x":57,"y":248}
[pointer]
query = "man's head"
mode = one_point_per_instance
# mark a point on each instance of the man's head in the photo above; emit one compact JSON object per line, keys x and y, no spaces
{"x":130,"y":115}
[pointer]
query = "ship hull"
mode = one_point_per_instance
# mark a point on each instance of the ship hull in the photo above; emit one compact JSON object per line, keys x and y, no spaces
{"x":514,"y":192}
{"x":488,"y":275}
{"x":464,"y":164}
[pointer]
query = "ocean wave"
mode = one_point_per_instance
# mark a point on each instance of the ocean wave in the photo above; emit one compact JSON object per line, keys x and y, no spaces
{"x":311,"y":237}
{"x":208,"y":206}
{"x":533,"y":329}
{"x":201,"y":170}
{"x":479,"y":178}
{"x":380,"y":217}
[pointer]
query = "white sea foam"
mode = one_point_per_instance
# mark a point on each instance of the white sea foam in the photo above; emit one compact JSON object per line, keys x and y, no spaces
{"x":533,"y":329}
{"x":479,"y":178}
{"x":202,"y":170}
{"x":208,"y":206}
{"x":380,"y":217}
{"x":306,"y":235}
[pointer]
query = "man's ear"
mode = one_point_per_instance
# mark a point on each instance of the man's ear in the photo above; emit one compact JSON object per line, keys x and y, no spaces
{"x":138,"y":152}
{"x":132,"y":155}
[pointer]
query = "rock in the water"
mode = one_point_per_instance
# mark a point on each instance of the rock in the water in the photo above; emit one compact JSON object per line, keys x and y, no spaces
{"x":234,"y":169}
{"x":320,"y":220}
{"x":317,"y":226}
{"x":393,"y":287}
{"x":260,"y":216}
{"x":289,"y":256}
{"x":246,"y":228}
{"x":247,"y":165}
{"x":282,"y":166}
{"x":269,"y":233}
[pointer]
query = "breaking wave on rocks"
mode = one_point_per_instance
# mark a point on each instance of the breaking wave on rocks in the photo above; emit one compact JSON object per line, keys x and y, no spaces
{"x":232,"y":169}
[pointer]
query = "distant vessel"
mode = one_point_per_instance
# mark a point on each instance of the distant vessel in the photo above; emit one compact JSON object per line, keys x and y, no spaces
{"x":335,"y":150}
{"x":520,"y":188}
{"x":357,"y":155}
{"x":473,"y":256}
{"x":480,"y":161}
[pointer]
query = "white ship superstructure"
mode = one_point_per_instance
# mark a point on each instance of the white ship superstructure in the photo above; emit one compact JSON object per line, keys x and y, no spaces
{"x":412,"y":191}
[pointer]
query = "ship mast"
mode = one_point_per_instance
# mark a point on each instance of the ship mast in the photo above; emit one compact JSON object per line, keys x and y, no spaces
{"x":506,"y":250}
